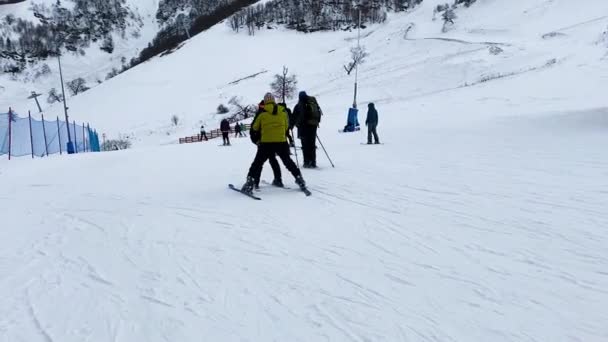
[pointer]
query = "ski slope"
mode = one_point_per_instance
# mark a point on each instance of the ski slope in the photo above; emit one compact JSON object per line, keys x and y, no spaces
{"x":482,"y":218}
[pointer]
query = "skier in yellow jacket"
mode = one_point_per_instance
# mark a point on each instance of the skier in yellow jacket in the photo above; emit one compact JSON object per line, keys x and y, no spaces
{"x":272,"y":126}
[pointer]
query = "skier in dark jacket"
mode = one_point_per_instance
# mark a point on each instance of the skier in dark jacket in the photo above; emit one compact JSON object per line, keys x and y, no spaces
{"x":291,"y":124}
{"x":237,"y":130}
{"x":372,"y":122}
{"x":203,"y":134}
{"x":307,"y":116}
{"x":272,"y":159}
{"x":225,"y":128}
{"x":271,"y":125}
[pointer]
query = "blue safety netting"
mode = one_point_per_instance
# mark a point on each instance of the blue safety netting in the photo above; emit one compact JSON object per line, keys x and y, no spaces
{"x":41,"y":138}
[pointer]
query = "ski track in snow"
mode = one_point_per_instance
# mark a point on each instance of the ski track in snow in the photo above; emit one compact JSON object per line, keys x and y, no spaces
{"x":435,"y":250}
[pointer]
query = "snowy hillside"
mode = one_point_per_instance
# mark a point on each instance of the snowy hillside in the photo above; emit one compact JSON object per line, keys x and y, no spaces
{"x":90,"y":62}
{"x":482,"y":218}
{"x":567,"y":63}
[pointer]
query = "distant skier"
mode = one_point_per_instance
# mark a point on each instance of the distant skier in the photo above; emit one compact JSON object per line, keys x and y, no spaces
{"x":271,"y":125}
{"x":225,"y":128}
{"x":237,"y":130}
{"x":291,"y":124}
{"x":307,"y":115}
{"x":243,"y":129}
{"x":372,"y":122}
{"x":272,"y":159}
{"x":203,"y":134}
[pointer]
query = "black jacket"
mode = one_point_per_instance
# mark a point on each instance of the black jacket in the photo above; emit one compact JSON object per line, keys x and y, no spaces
{"x":372,"y":116}
{"x":225,"y":126}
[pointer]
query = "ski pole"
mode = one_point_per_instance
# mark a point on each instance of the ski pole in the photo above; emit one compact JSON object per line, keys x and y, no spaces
{"x":295,"y":150}
{"x":324,"y":150}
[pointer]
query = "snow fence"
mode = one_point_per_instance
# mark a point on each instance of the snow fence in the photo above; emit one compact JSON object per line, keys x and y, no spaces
{"x":24,"y":135}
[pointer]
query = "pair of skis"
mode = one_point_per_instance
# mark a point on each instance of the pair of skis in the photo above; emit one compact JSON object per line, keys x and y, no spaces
{"x":251,"y":195}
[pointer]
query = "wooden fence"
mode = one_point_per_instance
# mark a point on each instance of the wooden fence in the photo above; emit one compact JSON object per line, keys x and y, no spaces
{"x":210,"y":135}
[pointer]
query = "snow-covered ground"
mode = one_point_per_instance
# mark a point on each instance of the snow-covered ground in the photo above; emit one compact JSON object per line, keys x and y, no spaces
{"x":482,"y":218}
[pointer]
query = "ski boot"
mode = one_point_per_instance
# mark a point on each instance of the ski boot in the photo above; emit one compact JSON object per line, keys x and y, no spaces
{"x":300,"y":181}
{"x":278,"y":183}
{"x":249,"y":185}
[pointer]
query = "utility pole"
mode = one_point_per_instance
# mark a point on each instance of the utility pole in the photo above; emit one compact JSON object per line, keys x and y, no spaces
{"x":35,"y":97}
{"x":357,"y":62}
{"x":65,"y":107}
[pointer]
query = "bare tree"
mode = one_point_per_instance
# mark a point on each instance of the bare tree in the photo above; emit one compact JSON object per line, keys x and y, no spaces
{"x":448,"y":19}
{"x":54,"y":96}
{"x":77,"y":86}
{"x":358,"y":54}
{"x":284,"y":86}
{"x":242,"y":111}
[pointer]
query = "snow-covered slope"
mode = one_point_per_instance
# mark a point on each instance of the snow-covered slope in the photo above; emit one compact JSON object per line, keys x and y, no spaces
{"x":482,"y":218}
{"x":191,"y":82}
{"x":94,"y":66}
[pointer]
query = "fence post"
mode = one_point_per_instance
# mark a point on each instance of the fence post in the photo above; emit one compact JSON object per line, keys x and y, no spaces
{"x":29,"y":116}
{"x":75,"y":138}
{"x":46,"y":145}
{"x":59,"y":136}
{"x":10,"y":131}
{"x":89,"y":136}
{"x":84,"y":138}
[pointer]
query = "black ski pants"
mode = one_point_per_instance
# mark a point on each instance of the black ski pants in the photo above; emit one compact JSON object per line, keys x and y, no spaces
{"x":308,"y":134}
{"x":268,"y":150}
{"x":276,"y":168}
{"x":226,"y":137}
{"x":371,"y":130}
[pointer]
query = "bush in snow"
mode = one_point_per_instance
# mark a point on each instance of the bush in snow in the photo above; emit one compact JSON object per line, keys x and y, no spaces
{"x":439,"y":9}
{"x":467,"y":3}
{"x":448,"y":19}
{"x":284,"y":86}
{"x":175,"y":120}
{"x":221,"y":109}
{"x":43,"y":71}
{"x":112,"y":73}
{"x":54,"y":96}
{"x":107,"y":45}
{"x":495,"y":50}
{"x":116,"y":144}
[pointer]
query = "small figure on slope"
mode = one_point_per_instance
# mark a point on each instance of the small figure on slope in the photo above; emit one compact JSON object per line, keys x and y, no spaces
{"x":307,"y":115}
{"x":271,"y":125}
{"x":203,"y":134}
{"x":225,"y":128}
{"x":237,"y":130}
{"x":372,"y":123}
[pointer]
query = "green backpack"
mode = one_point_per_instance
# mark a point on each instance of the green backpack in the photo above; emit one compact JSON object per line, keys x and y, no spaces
{"x":315,"y":113}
